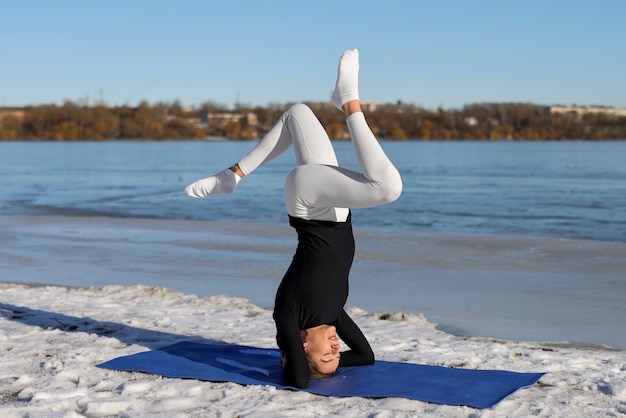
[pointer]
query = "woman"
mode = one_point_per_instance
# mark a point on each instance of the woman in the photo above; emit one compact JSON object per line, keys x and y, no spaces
{"x":309,"y":303}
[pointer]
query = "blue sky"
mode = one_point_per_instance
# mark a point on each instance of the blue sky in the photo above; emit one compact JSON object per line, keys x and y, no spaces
{"x":430,"y":53}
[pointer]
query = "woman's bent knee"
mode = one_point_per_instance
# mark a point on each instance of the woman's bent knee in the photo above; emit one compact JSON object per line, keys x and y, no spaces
{"x":391,"y":186}
{"x":299,"y":108}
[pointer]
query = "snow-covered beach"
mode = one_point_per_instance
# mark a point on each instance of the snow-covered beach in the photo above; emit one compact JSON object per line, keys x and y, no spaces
{"x":52,"y":338}
{"x":110,"y":297}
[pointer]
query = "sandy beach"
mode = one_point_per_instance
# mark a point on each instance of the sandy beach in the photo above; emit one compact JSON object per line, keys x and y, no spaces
{"x":80,"y":291}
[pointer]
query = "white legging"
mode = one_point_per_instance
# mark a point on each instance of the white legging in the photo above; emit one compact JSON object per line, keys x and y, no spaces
{"x":317,"y":188}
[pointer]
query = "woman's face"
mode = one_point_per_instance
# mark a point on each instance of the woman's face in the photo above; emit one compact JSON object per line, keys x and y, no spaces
{"x":321,"y":346}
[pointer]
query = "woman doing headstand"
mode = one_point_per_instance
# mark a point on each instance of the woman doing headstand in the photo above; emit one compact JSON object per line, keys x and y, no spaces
{"x":309,"y":306}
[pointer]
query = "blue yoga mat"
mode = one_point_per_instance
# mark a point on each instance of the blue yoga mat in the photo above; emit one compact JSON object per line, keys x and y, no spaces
{"x":260,"y":366}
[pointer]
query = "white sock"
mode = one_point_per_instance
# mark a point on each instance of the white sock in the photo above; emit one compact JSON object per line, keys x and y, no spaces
{"x":347,"y":86}
{"x":224,"y":182}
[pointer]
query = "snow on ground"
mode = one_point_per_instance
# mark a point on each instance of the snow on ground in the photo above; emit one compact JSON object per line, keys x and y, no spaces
{"x":52,"y":338}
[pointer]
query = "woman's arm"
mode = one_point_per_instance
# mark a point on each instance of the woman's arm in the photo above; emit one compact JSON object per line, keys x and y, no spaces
{"x":360,"y":353}
{"x":296,"y":367}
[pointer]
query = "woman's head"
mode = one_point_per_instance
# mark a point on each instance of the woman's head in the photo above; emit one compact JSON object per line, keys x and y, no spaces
{"x":321,"y":347}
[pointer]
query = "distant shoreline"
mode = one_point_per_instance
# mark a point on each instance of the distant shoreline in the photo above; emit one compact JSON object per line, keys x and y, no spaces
{"x":400,"y":121}
{"x":225,"y":139}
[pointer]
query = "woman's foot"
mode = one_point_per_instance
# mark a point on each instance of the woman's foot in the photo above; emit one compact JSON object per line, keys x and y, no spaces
{"x":221,"y":183}
{"x":347,"y":85}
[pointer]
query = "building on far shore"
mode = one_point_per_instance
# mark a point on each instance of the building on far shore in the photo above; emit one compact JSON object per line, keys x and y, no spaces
{"x":13,"y":112}
{"x":221,"y":119}
{"x":581,"y":110}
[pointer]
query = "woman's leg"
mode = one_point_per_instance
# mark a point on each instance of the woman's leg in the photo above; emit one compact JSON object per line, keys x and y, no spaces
{"x":314,"y":191}
{"x":310,"y":189}
{"x":317,"y":188}
{"x":297,"y":126}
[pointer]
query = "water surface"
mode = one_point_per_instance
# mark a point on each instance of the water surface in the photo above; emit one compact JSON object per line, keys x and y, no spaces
{"x":550,"y":189}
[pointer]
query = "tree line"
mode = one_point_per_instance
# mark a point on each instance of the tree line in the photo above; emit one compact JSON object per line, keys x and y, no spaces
{"x":172,"y":121}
